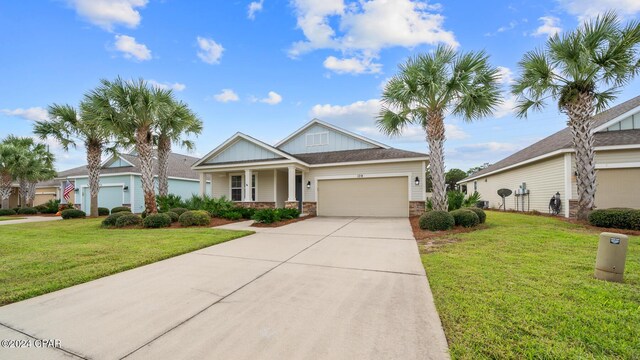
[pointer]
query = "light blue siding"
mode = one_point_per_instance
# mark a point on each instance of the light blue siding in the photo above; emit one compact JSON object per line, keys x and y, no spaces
{"x":106,"y":197}
{"x":629,"y":123}
{"x":117,"y":163}
{"x":243,"y":150}
{"x":336,"y":141}
{"x":184,"y":188}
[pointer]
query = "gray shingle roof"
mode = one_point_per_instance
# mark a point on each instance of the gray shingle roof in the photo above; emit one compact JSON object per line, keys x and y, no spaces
{"x":562,"y":139}
{"x":356,"y":155}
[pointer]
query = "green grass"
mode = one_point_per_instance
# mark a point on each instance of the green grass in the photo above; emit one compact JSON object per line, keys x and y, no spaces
{"x":524,"y":288}
{"x":38,"y":258}
{"x":3,"y":218}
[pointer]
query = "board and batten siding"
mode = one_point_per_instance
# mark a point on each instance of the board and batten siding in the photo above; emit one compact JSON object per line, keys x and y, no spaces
{"x":414,"y":168}
{"x":336,"y":141}
{"x":242,"y":150}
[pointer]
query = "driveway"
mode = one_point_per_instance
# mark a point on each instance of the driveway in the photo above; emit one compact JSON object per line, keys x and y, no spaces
{"x":30,"y":219}
{"x":323,"y":288}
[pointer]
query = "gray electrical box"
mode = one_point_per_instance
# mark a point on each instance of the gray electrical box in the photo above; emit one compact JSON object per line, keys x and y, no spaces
{"x":612,"y":254}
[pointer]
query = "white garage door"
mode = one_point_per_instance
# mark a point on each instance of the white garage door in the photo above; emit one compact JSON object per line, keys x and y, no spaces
{"x":364,"y":197}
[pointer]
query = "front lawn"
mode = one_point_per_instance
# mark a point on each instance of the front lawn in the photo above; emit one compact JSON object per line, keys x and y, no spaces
{"x":524,"y":288}
{"x":38,"y":258}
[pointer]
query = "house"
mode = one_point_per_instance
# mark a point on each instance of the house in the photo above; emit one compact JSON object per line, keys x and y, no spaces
{"x":120,"y":182}
{"x":45,"y":191}
{"x":320,"y":169}
{"x":548,"y":167}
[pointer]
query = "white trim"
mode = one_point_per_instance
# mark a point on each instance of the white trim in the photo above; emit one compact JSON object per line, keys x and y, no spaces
{"x":127,"y":174}
{"x":626,"y":165}
{"x":47,"y":193}
{"x":114,"y":158}
{"x":616,"y":147}
{"x":242,"y":166}
{"x":132,"y":193}
{"x":616,"y":119}
{"x":275,"y":187}
{"x":567,"y":182}
{"x":333,"y":127}
{"x":424,"y":179}
{"x":243,"y":180}
{"x":367,"y":162}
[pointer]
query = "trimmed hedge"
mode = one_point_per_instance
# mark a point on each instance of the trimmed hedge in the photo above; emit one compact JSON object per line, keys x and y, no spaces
{"x":157,"y":220}
{"x":436,"y":221}
{"x":173,"y":216}
{"x":128,"y":219}
{"x":195,"y":218}
{"x":102,"y":211}
{"x":616,"y":218}
{"x":118,"y":209}
{"x":27,"y":211}
{"x":73,"y":214}
{"x":7,"y":212}
{"x":481,"y":214}
{"x":111,"y":219}
{"x":465,"y":218}
{"x":179,"y":211}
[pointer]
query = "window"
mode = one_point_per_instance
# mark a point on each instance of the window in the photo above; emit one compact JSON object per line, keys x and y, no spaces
{"x":317,"y":139}
{"x":236,"y":188}
{"x":475,"y":186}
{"x":253,"y":187}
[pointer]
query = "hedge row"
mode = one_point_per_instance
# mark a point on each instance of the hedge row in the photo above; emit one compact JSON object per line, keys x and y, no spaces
{"x":441,"y":220}
{"x":616,"y":218}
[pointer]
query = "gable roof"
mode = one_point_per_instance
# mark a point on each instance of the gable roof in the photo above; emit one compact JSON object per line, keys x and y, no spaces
{"x":333,"y":127}
{"x":563,"y":140}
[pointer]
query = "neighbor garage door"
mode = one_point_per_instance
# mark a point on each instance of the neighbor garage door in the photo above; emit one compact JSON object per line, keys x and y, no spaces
{"x":618,"y":188}
{"x":364,"y":197}
{"x":108,"y":197}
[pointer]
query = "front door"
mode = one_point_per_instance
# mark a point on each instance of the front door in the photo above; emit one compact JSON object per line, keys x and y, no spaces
{"x":299,"y":191}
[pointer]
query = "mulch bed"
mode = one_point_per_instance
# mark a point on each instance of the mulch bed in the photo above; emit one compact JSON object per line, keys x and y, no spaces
{"x":281,"y":223}
{"x":430,"y":241}
{"x":176,"y":225}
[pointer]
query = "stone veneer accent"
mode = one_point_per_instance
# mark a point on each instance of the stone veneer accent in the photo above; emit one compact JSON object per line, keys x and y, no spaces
{"x":258,"y":204}
{"x":416,"y":208}
{"x":309,"y":207}
{"x":573,"y":208}
{"x":290,"y":204}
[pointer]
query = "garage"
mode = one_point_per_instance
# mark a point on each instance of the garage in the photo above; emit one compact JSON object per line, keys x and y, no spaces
{"x":109,"y":196}
{"x":380,"y":197}
{"x":618,"y":188}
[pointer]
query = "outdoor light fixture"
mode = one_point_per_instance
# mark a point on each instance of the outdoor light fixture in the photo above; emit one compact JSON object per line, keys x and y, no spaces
{"x":417,"y":181}
{"x":125,"y":188}
{"x":308,"y":184}
{"x":76,"y":189}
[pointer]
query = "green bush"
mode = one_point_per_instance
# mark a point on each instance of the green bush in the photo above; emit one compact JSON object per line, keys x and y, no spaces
{"x":247,"y":213}
{"x":102,"y":211}
{"x":215,"y":207}
{"x":465,"y":218}
{"x":118,"y":209}
{"x":173,"y":216}
{"x":267,"y":216}
{"x":286,"y":214}
{"x":195,"y":218}
{"x":128,"y":219}
{"x":143,"y":214}
{"x":50,"y":207}
{"x":157,"y":220}
{"x":616,"y":218}
{"x":436,"y":221}
{"x":455,"y":200}
{"x":167,"y":202}
{"x":72,"y":214}
{"x":16,"y":209}
{"x":231,"y":215}
{"x":27,"y":211}
{"x":471,"y":200}
{"x":7,"y":212}
{"x":41,"y":208}
{"x":111,"y":219}
{"x":481,"y":214}
{"x":179,"y":211}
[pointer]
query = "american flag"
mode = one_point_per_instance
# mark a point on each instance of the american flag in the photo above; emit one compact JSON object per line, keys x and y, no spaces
{"x":68,"y":188}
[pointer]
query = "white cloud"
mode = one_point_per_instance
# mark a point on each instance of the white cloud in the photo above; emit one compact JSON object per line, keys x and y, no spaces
{"x":549,"y":27}
{"x":107,"y":13}
{"x":32,"y":113}
{"x":487,"y":147}
{"x":272,"y":98}
{"x":226,"y":95}
{"x":132,"y":49}
{"x":167,"y":86}
{"x":254,"y":7}
{"x":506,"y":75}
{"x":591,"y":8}
{"x":351,"y":65}
{"x":454,"y":132}
{"x":507,"y":107}
{"x":210,"y":51}
{"x":512,"y":24}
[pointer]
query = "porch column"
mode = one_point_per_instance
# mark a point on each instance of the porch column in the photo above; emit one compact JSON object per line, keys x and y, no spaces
{"x":203,"y":183}
{"x":248,"y":174}
{"x":292,"y":183}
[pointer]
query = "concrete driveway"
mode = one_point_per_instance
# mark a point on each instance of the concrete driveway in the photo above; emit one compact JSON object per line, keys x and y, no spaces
{"x":323,"y":288}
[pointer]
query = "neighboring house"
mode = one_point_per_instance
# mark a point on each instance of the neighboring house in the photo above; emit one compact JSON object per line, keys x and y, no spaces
{"x":45,"y":191}
{"x":320,"y":169}
{"x":120,"y":183}
{"x":548,"y":167}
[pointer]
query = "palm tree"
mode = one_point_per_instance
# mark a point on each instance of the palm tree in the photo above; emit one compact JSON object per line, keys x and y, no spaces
{"x":583,"y":71}
{"x":428,"y":87}
{"x":8,"y":156}
{"x":176,"y":123}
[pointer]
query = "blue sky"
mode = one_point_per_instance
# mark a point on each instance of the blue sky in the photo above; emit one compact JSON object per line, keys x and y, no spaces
{"x":267,"y":67}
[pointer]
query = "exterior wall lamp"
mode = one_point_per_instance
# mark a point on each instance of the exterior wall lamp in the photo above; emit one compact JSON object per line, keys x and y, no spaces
{"x":308,"y":184}
{"x":125,"y":188}
{"x":76,"y":189}
{"x":417,"y":181}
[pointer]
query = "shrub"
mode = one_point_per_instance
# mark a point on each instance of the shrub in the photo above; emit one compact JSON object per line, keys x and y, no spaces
{"x":41,"y":208}
{"x":128,"y":219}
{"x":16,"y":209}
{"x":50,"y":207}
{"x":27,"y":211}
{"x":179,"y":211}
{"x":118,"y":209}
{"x":7,"y":212}
{"x":455,"y":200}
{"x":616,"y":218}
{"x":481,"y":214}
{"x":72,"y":214}
{"x":267,"y":216}
{"x":111,"y":219}
{"x":436,"y":221}
{"x":471,"y":200}
{"x":143,"y":214}
{"x":231,"y":215}
{"x":166,"y":202}
{"x":157,"y":220}
{"x":102,"y":211}
{"x":215,"y":207}
{"x":173,"y":216}
{"x":286,"y":214}
{"x":465,"y":218}
{"x":195,"y":218}
{"x":247,"y":213}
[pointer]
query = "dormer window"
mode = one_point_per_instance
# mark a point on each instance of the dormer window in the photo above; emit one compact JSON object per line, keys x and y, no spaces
{"x":317,"y":139}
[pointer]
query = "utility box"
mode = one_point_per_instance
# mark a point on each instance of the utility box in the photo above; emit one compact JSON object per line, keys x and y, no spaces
{"x":612,"y":253}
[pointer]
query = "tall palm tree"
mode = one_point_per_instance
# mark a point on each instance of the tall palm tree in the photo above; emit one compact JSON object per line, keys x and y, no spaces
{"x":429,"y":86}
{"x":583,"y":71}
{"x":172,"y":127}
{"x":8,"y":157}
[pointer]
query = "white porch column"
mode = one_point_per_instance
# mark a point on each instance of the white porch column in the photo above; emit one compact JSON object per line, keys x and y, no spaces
{"x":203,"y":183}
{"x":248,"y":174}
{"x":292,"y":183}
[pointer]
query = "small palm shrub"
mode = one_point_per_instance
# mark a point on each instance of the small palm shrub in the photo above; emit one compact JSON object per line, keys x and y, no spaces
{"x":436,"y":221}
{"x":455,"y":200}
{"x":173,"y":216}
{"x":247,"y":213}
{"x":179,"y":210}
{"x":481,"y":214}
{"x":118,"y":209}
{"x":50,"y":207}
{"x":111,"y":219}
{"x":103,"y":211}
{"x":27,"y":211}
{"x":231,"y":215}
{"x":16,"y":209}
{"x":73,"y":214}
{"x":128,"y":219}
{"x":465,"y":218}
{"x":267,"y":216}
{"x":167,"y":202}
{"x":616,"y":218}
{"x":41,"y":208}
{"x":286,"y":214}
{"x":7,"y":212}
{"x":471,"y":200}
{"x":195,"y":218}
{"x":215,"y":207}
{"x":157,"y":220}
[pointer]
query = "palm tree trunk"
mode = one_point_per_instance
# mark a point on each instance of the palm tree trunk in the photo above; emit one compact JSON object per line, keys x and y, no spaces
{"x":145,"y":154}
{"x":5,"y":189}
{"x":435,"y":139}
{"x":580,"y":122}
{"x":31,"y":192}
{"x":23,"y":192}
{"x":94,"y":155}
{"x":164,"y":149}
